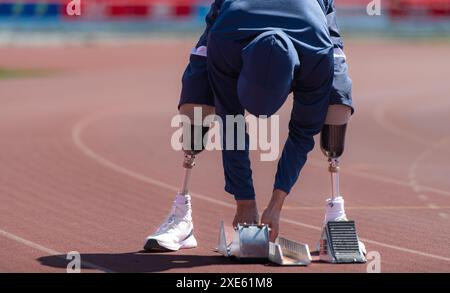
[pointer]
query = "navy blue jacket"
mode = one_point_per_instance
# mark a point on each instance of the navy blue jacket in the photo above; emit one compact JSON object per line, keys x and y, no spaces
{"x":307,"y":119}
{"x":195,"y":79}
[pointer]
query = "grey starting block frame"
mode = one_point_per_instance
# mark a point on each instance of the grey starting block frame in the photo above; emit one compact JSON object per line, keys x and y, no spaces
{"x":340,"y":243}
{"x":249,"y":243}
{"x":286,"y":252}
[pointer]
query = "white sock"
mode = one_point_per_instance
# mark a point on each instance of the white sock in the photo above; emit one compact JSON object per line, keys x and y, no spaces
{"x":183,"y":204}
{"x":335,"y":210}
{"x":183,"y":199}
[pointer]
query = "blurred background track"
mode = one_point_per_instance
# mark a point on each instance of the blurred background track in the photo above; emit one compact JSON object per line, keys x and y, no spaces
{"x":86,"y":163}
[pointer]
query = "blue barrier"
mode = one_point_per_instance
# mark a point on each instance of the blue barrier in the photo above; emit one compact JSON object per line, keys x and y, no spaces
{"x":6,"y":9}
{"x":30,"y":10}
{"x":26,"y":10}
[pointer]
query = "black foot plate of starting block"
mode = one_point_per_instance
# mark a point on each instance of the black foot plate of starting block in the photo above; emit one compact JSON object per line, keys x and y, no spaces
{"x":339,"y":243}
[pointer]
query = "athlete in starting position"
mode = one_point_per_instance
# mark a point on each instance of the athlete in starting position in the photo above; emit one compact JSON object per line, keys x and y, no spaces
{"x":252,"y":55}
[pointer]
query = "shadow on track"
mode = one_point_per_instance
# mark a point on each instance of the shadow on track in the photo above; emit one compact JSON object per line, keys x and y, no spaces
{"x":138,"y":262}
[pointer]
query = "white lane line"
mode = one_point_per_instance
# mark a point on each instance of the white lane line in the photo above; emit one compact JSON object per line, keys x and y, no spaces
{"x":83,"y":123}
{"x":423,"y":197}
{"x":443,"y":215}
{"x":379,"y":178}
{"x":395,"y":247}
{"x":29,"y":243}
{"x":76,"y":135}
{"x":379,"y":114}
{"x":412,"y":251}
{"x":432,"y":206}
{"x":49,"y":251}
{"x":412,"y":174}
{"x":429,"y":151}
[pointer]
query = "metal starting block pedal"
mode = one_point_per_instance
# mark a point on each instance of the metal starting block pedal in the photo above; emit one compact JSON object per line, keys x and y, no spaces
{"x":286,"y":252}
{"x":340,"y":244}
{"x":250,"y":243}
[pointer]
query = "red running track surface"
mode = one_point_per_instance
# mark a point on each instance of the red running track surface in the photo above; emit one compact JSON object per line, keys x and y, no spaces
{"x":86,"y":163}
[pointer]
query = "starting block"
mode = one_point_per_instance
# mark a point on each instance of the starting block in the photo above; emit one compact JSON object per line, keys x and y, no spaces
{"x":250,"y":242}
{"x":286,"y":252}
{"x":340,"y":244}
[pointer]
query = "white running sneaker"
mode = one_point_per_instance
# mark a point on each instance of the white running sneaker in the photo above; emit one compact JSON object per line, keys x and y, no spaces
{"x":177,"y":230}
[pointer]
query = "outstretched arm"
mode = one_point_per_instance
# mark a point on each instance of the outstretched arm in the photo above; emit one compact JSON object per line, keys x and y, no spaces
{"x":311,"y":101}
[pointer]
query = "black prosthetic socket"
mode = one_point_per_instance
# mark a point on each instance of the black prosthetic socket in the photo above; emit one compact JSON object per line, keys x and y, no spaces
{"x":194,"y":142}
{"x":332,"y":140}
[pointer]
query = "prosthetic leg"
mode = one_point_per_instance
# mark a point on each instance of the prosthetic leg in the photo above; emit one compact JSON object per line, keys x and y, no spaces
{"x":193,"y":144}
{"x":188,"y":165}
{"x":250,"y":243}
{"x":177,"y":230}
{"x":339,"y":241}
